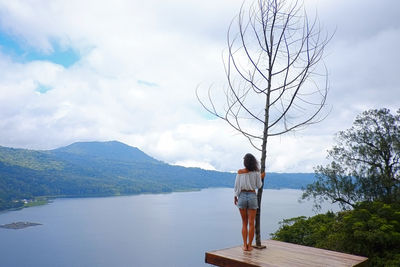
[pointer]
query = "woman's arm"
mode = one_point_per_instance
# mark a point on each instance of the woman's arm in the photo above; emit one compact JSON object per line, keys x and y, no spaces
{"x":259,"y":180}
{"x":237,"y":186}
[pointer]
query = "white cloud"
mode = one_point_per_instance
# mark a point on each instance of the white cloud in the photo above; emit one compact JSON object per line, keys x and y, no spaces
{"x":198,"y":164}
{"x":125,"y":46}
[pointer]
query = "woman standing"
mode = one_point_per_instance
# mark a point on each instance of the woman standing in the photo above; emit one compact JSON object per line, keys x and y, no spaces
{"x":247,"y":181}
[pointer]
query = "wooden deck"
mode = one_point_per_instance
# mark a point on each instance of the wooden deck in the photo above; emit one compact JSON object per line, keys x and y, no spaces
{"x":282,"y":254}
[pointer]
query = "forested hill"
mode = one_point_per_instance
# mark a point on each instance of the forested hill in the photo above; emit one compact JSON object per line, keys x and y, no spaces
{"x":107,"y":168}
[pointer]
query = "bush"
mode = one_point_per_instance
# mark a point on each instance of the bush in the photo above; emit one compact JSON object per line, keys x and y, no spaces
{"x":371,"y":229}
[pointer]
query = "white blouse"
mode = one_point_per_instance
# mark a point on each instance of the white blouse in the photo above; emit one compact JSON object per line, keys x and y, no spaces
{"x":247,"y":181}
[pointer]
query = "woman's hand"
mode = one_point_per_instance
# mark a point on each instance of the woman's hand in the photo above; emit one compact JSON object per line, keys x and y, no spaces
{"x":235,"y":200}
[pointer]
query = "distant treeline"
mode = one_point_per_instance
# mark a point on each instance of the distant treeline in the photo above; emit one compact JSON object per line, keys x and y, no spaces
{"x":106,"y":169}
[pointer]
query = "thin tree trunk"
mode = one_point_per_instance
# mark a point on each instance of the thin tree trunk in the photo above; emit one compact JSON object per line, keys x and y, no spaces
{"x":259,"y":195}
{"x":263,"y":160}
{"x":257,"y":226}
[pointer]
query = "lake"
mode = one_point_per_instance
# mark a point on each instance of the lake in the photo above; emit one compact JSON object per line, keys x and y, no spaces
{"x":143,"y":230}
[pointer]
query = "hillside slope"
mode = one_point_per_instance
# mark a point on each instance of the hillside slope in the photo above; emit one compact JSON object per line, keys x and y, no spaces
{"x":104,"y":169}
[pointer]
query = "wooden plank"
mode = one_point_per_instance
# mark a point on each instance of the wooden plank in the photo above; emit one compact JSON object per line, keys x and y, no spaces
{"x":282,"y":254}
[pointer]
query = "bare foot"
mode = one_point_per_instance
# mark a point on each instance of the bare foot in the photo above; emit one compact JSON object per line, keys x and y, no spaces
{"x":249,"y":247}
{"x":244,"y":247}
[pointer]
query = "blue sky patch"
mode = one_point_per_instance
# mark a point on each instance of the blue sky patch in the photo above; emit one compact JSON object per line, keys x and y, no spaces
{"x":207,"y":115}
{"x":21,"y":52}
{"x":42,"y":89}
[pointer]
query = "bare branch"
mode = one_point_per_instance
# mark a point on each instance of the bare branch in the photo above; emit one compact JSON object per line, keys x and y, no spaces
{"x":273,"y":73}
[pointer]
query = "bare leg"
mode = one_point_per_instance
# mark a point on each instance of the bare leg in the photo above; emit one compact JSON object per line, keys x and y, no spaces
{"x":251,"y":217}
{"x":243,"y":213}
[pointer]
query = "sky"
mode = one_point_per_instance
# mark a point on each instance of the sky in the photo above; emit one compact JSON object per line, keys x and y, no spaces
{"x":127,"y":70}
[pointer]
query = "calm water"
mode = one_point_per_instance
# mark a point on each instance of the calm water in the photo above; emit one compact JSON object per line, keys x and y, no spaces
{"x":144,"y":230}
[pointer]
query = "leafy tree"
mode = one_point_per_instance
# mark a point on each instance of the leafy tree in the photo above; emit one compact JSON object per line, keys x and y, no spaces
{"x":365,"y":163}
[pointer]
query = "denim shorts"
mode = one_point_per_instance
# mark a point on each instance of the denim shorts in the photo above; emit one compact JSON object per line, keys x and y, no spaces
{"x":247,"y":200}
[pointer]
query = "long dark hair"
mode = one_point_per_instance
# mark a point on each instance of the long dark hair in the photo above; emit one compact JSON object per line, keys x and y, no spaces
{"x":250,"y":162}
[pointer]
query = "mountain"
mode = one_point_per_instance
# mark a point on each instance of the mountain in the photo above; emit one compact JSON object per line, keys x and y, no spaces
{"x":105,"y":169}
{"x":111,"y":150}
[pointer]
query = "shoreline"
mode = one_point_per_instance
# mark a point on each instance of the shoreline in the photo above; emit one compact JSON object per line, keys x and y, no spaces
{"x":44,"y":200}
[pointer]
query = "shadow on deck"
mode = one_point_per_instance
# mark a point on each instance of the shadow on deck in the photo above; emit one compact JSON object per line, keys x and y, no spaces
{"x":282,"y":254}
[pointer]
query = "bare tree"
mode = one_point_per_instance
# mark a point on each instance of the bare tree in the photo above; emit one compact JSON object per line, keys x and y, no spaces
{"x":275,"y":84}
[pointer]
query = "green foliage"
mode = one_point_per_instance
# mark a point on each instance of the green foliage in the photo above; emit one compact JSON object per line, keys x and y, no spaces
{"x":365,"y":163}
{"x":36,"y":160}
{"x":6,"y":204}
{"x":94,"y":169}
{"x":371,"y":229}
{"x":105,"y":169}
{"x":306,"y":231}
